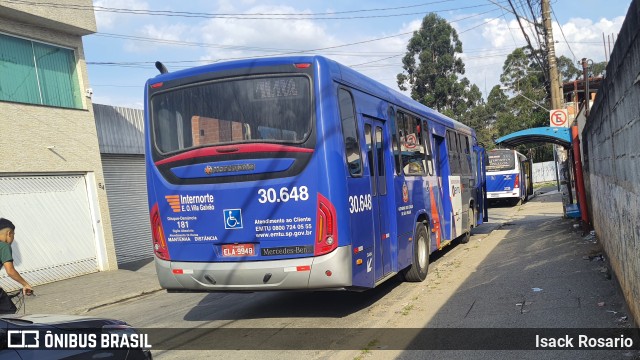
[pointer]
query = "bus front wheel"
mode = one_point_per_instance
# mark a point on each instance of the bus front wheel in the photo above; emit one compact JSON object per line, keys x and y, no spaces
{"x":420,"y":264}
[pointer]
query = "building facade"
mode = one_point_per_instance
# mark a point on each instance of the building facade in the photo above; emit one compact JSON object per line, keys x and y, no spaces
{"x":121,"y":140}
{"x":51,"y":178}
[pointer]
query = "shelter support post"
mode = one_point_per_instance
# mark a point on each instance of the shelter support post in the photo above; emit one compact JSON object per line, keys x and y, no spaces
{"x":582,"y":196}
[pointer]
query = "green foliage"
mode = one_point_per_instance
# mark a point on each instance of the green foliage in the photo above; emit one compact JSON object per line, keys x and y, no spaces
{"x":568,"y":70}
{"x":432,"y":66}
{"x":433,"y":70}
{"x":597,"y":69}
{"x":524,"y":79}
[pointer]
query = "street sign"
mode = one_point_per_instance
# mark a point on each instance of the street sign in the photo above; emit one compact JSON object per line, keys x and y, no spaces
{"x":558,"y":118}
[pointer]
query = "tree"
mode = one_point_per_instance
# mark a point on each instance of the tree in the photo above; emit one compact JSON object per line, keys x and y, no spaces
{"x":431,"y":68}
{"x":598,"y":69}
{"x":568,"y":70}
{"x":523,"y":77}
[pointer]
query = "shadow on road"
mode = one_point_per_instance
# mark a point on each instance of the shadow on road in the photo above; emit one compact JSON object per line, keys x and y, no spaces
{"x":269,"y":305}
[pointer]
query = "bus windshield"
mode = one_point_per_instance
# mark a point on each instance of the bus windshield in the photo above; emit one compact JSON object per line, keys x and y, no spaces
{"x":501,"y":160}
{"x":256,"y":109}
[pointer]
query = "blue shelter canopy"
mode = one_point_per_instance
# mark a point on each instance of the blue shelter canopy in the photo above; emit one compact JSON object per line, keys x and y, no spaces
{"x":556,"y":135}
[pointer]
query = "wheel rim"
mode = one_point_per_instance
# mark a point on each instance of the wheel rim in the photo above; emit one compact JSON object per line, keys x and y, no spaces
{"x":422,"y":253}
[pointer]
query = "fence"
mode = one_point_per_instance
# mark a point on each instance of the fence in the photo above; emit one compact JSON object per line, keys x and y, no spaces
{"x":543,"y":172}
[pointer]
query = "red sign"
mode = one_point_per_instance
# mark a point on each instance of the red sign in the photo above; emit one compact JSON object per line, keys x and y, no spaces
{"x":411,"y":141}
{"x":558,"y":118}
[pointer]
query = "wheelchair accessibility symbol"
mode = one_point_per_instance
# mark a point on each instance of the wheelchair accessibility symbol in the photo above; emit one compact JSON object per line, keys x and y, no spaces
{"x":232,"y":218}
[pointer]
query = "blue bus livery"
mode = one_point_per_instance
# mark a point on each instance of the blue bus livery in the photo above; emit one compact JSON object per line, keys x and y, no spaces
{"x":300,"y":173}
{"x":509,"y":176}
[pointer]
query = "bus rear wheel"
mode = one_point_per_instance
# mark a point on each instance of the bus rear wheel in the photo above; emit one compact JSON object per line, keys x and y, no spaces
{"x":421,"y":247}
{"x":467,"y":236}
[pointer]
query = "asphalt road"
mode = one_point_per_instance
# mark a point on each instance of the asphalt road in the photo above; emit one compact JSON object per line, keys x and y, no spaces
{"x":457,"y":293}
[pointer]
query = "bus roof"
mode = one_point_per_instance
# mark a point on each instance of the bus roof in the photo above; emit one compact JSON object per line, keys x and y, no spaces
{"x":338,"y":71}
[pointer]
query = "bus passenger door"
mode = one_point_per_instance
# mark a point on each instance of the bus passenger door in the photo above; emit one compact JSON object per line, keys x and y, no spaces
{"x":481,"y":187}
{"x":376,"y":143}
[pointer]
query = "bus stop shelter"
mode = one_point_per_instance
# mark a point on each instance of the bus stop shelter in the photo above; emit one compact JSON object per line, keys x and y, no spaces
{"x":560,"y":136}
{"x":555,"y":135}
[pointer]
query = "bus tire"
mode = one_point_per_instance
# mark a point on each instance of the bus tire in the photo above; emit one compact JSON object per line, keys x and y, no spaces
{"x":417,"y":272}
{"x":467,"y":236}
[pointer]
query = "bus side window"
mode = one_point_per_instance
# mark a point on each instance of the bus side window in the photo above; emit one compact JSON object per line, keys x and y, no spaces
{"x":426,"y":135}
{"x":381,"y":165}
{"x":368,"y":138}
{"x":411,"y":145}
{"x":394,"y":140}
{"x":352,"y":151}
{"x":454,"y":156}
{"x":463,"y":143}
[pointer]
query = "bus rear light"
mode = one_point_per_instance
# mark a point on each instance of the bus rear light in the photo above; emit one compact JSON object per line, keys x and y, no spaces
{"x":517,"y":184}
{"x":177,"y":271}
{"x":326,"y":229}
{"x":159,"y":242}
{"x":302,"y":65}
{"x":157,"y":85}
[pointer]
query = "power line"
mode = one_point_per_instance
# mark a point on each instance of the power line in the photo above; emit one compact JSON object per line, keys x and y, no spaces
{"x":256,"y":16}
{"x":477,"y":26}
{"x":169,"y":12}
{"x":279,"y":52}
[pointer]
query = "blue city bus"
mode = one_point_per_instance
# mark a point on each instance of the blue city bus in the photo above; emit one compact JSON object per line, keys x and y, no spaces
{"x":509,"y":176}
{"x":301,"y":173}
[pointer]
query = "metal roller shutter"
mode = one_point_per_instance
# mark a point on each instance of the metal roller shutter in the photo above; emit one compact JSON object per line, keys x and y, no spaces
{"x":126,"y":185}
{"x":55,"y":238}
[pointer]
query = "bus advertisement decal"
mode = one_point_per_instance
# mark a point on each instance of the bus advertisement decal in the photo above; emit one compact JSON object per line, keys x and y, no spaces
{"x":186,"y":203}
{"x":232,"y":219}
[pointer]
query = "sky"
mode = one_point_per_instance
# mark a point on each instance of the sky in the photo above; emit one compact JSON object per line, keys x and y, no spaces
{"x":371,"y":37}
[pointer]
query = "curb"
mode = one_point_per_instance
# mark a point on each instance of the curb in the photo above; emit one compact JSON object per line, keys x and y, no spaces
{"x":116,"y":300}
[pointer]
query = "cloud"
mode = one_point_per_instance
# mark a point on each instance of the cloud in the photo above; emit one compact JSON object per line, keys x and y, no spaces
{"x":107,"y":20}
{"x":487,"y":49}
{"x":249,"y":38}
{"x":584,"y":37}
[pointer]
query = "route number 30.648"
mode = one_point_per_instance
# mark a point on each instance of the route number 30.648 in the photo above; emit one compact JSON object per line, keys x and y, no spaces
{"x":359,"y":203}
{"x":272,"y":195}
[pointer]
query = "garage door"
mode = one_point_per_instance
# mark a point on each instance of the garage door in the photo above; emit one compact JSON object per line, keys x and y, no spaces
{"x":127,"y":193}
{"x":55,"y":239}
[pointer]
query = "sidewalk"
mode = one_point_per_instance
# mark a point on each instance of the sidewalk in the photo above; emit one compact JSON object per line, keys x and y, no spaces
{"x":83,"y":293}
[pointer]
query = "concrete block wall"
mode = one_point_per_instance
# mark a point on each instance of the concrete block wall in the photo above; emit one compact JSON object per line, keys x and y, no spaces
{"x":611,"y":138}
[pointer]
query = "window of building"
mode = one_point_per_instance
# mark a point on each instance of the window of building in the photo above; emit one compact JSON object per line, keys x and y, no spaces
{"x":37,"y":73}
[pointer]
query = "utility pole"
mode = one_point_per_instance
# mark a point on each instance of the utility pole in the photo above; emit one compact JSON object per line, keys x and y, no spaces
{"x":556,"y":91}
{"x":587,"y":96}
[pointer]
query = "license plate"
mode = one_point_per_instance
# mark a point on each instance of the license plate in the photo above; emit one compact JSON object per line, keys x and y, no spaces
{"x":493,"y":195}
{"x":238,"y":250}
